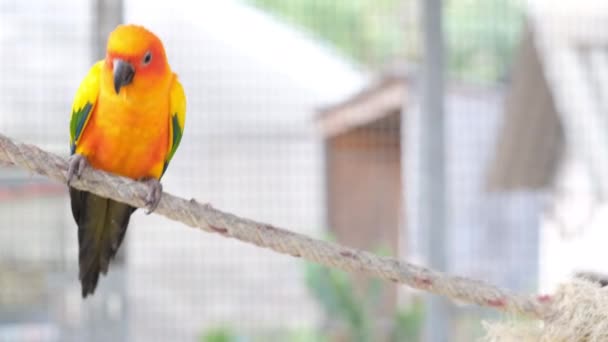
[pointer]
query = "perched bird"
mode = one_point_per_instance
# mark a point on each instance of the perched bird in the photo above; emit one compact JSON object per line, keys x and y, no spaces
{"x":127,"y":118}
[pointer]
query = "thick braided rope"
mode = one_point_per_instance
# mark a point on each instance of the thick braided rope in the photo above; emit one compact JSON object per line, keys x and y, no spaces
{"x":204,"y":217}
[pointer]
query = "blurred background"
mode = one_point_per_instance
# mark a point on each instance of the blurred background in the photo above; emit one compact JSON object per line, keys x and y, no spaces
{"x":468,"y":135}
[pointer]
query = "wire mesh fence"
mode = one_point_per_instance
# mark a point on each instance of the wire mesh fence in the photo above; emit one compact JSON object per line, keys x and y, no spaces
{"x":302,"y":114}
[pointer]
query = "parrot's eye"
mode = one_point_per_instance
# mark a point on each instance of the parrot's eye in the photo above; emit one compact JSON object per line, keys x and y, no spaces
{"x":147,"y":58}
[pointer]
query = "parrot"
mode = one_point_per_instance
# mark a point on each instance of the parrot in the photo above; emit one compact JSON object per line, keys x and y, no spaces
{"x":128,"y":119}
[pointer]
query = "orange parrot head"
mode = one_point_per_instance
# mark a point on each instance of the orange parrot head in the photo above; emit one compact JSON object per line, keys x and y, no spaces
{"x":135,"y":62}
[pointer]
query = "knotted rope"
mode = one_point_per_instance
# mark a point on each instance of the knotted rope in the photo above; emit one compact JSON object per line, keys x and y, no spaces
{"x":203,"y":216}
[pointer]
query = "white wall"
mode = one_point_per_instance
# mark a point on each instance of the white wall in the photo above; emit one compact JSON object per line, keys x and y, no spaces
{"x":574,"y":230}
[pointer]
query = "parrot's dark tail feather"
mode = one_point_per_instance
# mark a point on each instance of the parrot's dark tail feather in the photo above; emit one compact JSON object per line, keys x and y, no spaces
{"x":102,"y":224}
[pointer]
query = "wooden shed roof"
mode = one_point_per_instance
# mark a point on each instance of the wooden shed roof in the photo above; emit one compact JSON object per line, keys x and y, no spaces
{"x":557,"y":98}
{"x":380,"y":99}
{"x":530,"y":143}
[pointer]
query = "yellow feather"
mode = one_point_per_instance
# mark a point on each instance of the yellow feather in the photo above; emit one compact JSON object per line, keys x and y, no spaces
{"x":177,"y":103}
{"x":87,"y":93}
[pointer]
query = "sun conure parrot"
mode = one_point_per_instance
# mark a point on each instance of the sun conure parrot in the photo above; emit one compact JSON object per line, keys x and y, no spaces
{"x":127,"y":118}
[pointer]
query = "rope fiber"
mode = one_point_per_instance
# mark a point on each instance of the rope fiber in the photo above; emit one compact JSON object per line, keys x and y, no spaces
{"x":207,"y":218}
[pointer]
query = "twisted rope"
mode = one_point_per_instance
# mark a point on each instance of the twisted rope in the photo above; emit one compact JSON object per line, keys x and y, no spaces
{"x":203,"y":216}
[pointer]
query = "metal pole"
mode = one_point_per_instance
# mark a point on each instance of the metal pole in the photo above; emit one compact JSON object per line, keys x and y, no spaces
{"x":432,"y":162}
{"x":106,"y":15}
{"x":108,"y":318}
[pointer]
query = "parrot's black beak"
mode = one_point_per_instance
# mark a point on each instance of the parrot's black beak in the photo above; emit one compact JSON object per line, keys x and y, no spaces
{"x":123,"y":74}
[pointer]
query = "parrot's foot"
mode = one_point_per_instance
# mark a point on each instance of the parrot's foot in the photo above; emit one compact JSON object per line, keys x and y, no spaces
{"x":76,"y":164}
{"x":155,"y":191}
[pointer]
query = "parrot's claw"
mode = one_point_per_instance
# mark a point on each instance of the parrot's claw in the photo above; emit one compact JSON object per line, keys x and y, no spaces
{"x":76,"y":164}
{"x":155,"y":191}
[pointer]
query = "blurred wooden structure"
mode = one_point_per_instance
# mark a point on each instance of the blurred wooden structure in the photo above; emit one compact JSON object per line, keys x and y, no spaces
{"x":365,"y":205}
{"x":557,"y":99}
{"x":554,"y":135}
{"x":363,"y":171}
{"x":531,"y":140}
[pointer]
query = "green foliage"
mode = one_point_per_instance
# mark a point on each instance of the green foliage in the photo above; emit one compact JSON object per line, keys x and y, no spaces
{"x":226,"y":334}
{"x":367,"y":30}
{"x":304,"y":335}
{"x":408,"y":323}
{"x":351,"y":312}
{"x":335,"y":293}
{"x":480,"y":34}
{"x":220,"y":334}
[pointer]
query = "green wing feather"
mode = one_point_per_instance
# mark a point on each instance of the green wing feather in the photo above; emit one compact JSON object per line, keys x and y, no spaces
{"x":83,"y":104}
{"x":177,"y":107}
{"x":102,"y":223}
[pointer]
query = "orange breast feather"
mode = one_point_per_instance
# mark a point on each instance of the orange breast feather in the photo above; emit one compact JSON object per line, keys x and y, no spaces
{"x":129,"y":141}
